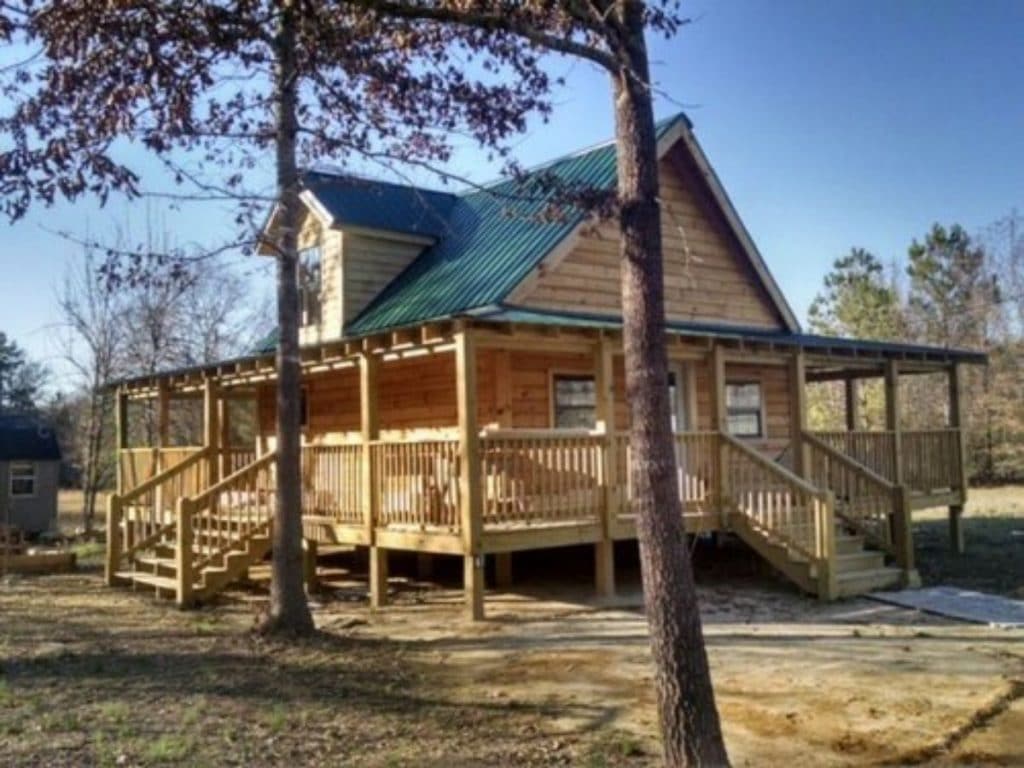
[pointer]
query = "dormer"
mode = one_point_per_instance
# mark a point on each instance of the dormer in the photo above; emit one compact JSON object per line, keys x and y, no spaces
{"x":355,"y":237}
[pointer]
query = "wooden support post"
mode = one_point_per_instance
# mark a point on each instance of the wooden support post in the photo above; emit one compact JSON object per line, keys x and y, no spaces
{"x":604,"y":550}
{"x":903,"y":537}
{"x":893,"y":418}
{"x":503,"y":388}
{"x":470,"y":494}
{"x":163,"y":425}
{"x":121,"y":436}
{"x":211,"y":429}
{"x":369,"y":424}
{"x":798,"y":410}
{"x":114,"y":542}
{"x":224,"y":436}
{"x":959,"y":423}
{"x":424,"y":566}
{"x":378,"y":577}
{"x":503,"y":569}
{"x":720,"y":424}
{"x":852,"y":404}
{"x":309,"y":557}
{"x":828,"y":589}
{"x":183,"y":553}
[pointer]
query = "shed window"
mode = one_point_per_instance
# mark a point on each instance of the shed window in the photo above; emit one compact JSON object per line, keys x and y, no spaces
{"x":23,"y":479}
{"x":575,"y":402}
{"x":310,"y":285}
{"x":744,"y":407}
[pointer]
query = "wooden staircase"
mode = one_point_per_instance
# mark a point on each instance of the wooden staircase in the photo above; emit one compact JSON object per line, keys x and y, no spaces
{"x":157,"y":567}
{"x":187,"y":544}
{"x":803,"y":531}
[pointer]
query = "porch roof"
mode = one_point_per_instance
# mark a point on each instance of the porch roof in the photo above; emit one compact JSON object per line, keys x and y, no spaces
{"x":807,"y":341}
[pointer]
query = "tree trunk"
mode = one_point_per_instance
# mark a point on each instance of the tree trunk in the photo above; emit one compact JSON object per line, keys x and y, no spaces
{"x":289,"y":611}
{"x":689,"y":720}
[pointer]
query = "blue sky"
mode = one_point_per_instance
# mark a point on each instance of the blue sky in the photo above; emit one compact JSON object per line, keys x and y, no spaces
{"x":831,"y":125}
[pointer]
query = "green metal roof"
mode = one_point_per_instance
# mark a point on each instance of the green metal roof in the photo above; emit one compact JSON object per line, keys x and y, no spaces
{"x":493,"y":238}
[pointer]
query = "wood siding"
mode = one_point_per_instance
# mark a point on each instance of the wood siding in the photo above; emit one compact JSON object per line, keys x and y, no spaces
{"x":707,"y":276}
{"x":370,"y":263}
{"x":514,"y":391}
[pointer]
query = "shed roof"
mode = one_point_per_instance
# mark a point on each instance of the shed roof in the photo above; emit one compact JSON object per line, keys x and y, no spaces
{"x":27,"y":438}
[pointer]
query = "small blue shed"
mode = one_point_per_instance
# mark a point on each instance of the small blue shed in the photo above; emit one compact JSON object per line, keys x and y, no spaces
{"x":29,"y":473}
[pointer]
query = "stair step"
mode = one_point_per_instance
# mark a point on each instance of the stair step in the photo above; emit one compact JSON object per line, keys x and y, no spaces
{"x":848,"y":544}
{"x":859,"y":582}
{"x":149,"y":579}
{"x":157,"y":561}
{"x":864,"y":560}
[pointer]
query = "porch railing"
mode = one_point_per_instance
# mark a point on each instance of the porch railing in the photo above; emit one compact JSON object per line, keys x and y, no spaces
{"x":140,"y":517}
{"x":138,"y":465}
{"x":417,"y":483}
{"x":929,"y":458}
{"x":332,"y":484}
{"x":541,"y":476}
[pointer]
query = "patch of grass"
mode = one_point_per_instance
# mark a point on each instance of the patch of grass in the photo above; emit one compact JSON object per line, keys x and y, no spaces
{"x":614,"y":748}
{"x":169,"y":748}
{"x":6,"y":697}
{"x":89,"y":551}
{"x":277,"y":719}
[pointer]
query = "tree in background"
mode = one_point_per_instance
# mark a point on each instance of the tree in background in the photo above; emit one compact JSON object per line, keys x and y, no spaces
{"x":21,"y":379}
{"x":954,"y":300}
{"x":91,"y":344}
{"x":858,"y":300}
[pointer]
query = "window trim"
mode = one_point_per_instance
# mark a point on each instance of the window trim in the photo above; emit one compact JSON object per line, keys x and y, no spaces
{"x":553,"y":375}
{"x":11,"y":478}
{"x":762,"y":415}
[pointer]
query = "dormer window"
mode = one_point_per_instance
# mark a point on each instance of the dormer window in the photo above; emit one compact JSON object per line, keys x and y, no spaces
{"x":310,"y":285}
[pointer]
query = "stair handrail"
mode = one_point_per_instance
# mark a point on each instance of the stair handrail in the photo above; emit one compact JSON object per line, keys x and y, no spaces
{"x":848,"y":461}
{"x":115,"y":510}
{"x":201,"y":500}
{"x":822,"y":550}
{"x":897,"y":539}
{"x":187,"y":563}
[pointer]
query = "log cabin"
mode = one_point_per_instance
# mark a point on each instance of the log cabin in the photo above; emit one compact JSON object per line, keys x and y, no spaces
{"x":463,"y":395}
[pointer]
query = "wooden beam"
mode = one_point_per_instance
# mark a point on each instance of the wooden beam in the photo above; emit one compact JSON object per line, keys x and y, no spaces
{"x":369,"y":427}
{"x":470,"y":494}
{"x":604,"y":550}
{"x":893,"y":417}
{"x":720,"y":423}
{"x":211,"y":427}
{"x":850,"y":390}
{"x":121,"y":430}
{"x":959,"y":423}
{"x":503,"y":388}
{"x":798,"y":412}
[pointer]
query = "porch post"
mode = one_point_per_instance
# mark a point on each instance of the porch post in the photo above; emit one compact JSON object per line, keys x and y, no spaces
{"x":892,"y":418}
{"x":369,"y":425}
{"x":957,"y":422}
{"x":720,"y":424}
{"x":470,"y":495}
{"x":163,"y":423}
{"x":604,"y":390}
{"x":211,"y":429}
{"x":121,"y":435}
{"x":852,"y":404}
{"x":224,"y":436}
{"x":798,"y":413}
{"x":503,"y":418}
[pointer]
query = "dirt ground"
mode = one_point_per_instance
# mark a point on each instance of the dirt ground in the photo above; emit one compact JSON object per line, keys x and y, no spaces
{"x":94,"y":676}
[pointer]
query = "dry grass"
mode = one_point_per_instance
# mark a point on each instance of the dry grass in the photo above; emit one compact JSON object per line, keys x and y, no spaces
{"x":994,"y":531}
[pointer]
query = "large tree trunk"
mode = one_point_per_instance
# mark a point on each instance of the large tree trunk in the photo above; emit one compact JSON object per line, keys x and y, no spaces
{"x":289,"y":611}
{"x":689,"y":720}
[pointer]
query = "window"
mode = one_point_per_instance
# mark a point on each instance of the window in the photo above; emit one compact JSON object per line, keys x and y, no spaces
{"x":575,"y":402}
{"x":310,"y":285}
{"x":304,"y":408}
{"x":23,"y":479}
{"x":744,"y":409}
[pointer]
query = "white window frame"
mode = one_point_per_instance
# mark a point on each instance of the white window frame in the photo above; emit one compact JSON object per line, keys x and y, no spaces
{"x":13,"y":476}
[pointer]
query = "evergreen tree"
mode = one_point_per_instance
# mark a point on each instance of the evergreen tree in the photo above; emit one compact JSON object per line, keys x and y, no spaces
{"x":21,"y":380}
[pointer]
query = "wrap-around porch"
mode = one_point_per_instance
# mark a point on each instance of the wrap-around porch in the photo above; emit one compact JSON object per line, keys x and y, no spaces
{"x":439,"y":441}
